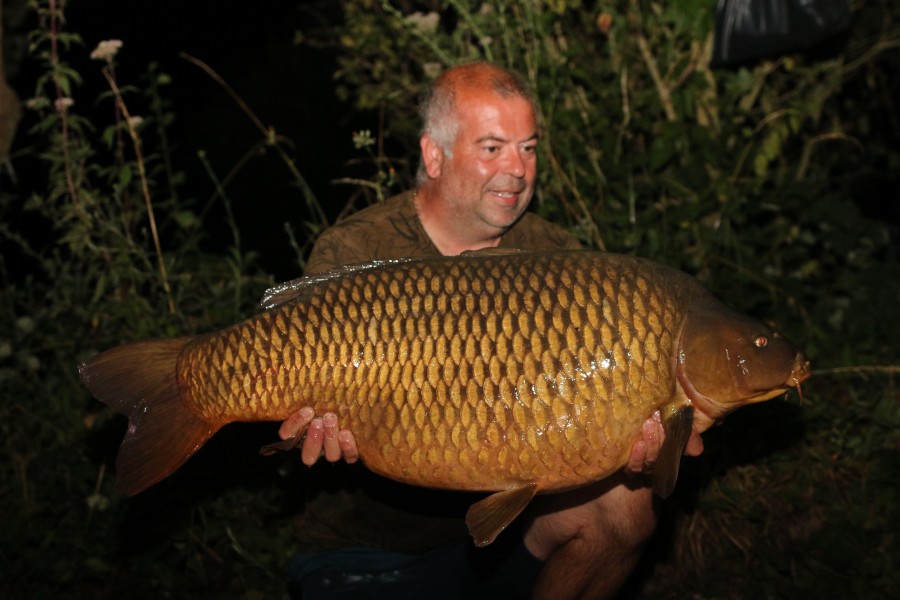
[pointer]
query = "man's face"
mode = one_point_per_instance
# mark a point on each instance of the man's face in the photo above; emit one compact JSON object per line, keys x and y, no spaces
{"x":489,"y":178}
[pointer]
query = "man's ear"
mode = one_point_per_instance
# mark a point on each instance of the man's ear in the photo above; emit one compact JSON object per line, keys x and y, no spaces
{"x":432,"y":156}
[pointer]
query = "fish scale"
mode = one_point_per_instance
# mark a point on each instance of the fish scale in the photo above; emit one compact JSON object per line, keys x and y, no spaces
{"x":505,"y":371}
{"x":539,"y":393}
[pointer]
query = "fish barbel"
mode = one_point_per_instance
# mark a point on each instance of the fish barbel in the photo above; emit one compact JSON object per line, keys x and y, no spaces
{"x":512,"y":372}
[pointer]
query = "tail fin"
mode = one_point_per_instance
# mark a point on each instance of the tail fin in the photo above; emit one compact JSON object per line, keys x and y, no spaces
{"x":139,"y":381}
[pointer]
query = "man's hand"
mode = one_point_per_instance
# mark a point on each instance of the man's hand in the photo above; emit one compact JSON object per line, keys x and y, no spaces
{"x":646,"y":450}
{"x":322,"y":437}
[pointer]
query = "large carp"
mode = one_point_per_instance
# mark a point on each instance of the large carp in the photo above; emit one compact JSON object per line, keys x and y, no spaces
{"x":506,"y":371}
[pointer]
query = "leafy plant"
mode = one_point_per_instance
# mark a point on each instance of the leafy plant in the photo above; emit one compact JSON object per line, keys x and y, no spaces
{"x":107,"y":251}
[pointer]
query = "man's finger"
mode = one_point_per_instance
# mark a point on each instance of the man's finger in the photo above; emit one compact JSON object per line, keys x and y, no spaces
{"x":652,"y":434}
{"x":312,"y":445}
{"x":332,"y":446}
{"x":694,"y":444}
{"x":296,"y":423}
{"x":348,"y":446}
{"x":635,"y":464}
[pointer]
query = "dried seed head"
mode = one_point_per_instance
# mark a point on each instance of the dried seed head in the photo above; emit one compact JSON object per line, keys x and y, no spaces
{"x":106,"y":50}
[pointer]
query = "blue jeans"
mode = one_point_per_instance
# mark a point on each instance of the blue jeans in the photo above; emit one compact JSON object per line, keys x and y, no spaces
{"x":453,"y":571}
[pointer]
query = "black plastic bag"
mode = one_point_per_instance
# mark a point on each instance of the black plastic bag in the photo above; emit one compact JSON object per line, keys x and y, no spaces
{"x":748,"y":30}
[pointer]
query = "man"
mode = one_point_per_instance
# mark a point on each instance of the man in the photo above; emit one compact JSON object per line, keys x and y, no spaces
{"x":475,"y":181}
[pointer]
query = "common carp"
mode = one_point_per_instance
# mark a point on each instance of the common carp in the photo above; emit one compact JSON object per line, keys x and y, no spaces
{"x":513,"y":372}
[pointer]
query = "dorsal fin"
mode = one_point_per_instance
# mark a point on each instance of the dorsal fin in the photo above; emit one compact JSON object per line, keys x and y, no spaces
{"x":494,"y":252}
{"x":295,"y":288}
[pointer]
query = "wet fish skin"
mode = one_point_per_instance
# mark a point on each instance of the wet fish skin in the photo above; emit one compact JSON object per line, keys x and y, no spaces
{"x":515,"y":372}
{"x":489,"y":385}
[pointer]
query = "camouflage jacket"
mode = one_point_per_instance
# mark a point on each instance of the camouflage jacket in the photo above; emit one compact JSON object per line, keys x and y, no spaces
{"x":393,"y":230}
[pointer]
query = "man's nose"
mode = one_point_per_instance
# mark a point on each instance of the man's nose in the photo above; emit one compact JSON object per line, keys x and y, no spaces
{"x":515,"y":163}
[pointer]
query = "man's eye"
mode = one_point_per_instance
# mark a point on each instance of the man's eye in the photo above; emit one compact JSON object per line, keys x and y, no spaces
{"x":529,"y":149}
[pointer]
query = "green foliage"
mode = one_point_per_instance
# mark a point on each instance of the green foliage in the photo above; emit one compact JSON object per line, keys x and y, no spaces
{"x":758,"y":179}
{"x":106,"y":253}
{"x":744,"y":177}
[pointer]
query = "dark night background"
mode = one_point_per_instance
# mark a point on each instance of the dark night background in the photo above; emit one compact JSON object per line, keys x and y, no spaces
{"x":800,"y":495}
{"x":289,"y":87}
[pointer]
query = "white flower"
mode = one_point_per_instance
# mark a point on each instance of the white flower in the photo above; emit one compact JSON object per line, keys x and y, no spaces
{"x":424,"y":23}
{"x":63,"y":104}
{"x":98,"y":502}
{"x":432,"y":69}
{"x":106,"y":50}
{"x":37,"y":103}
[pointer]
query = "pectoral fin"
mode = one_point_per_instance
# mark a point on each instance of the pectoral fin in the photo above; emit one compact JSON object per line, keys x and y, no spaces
{"x":677,"y":421}
{"x":487,"y":518}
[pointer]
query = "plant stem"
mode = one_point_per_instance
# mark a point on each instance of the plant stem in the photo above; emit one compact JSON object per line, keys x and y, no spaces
{"x":270,"y":137}
{"x":145,"y":188}
{"x":662,"y":88}
{"x":61,"y":109}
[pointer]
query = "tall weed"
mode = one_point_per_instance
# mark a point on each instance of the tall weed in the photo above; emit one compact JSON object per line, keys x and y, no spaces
{"x":105,"y":249}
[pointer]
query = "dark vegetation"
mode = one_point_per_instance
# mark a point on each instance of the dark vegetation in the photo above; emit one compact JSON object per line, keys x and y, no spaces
{"x":775,"y":182}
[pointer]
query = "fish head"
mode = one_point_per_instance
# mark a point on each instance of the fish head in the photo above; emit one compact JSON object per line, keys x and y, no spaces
{"x":726,"y":360}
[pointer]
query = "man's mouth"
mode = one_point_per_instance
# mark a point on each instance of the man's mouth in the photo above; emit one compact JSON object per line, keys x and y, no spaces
{"x":506,"y":195}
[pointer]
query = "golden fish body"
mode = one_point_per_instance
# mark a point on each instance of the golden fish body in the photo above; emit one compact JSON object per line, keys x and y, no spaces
{"x":459,"y":373}
{"x":519,"y":372}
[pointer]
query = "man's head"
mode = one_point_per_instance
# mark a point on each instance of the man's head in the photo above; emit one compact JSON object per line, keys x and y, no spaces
{"x":437,"y":109}
{"x":479,"y":145}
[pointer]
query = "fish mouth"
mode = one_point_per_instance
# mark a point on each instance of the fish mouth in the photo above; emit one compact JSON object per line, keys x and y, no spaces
{"x":801,"y":372}
{"x":714,"y":411}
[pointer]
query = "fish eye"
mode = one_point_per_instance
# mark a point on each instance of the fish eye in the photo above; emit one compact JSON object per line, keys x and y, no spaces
{"x":761,"y":341}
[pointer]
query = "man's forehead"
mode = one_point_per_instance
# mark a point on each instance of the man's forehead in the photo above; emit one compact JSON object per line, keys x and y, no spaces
{"x":496,"y":117}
